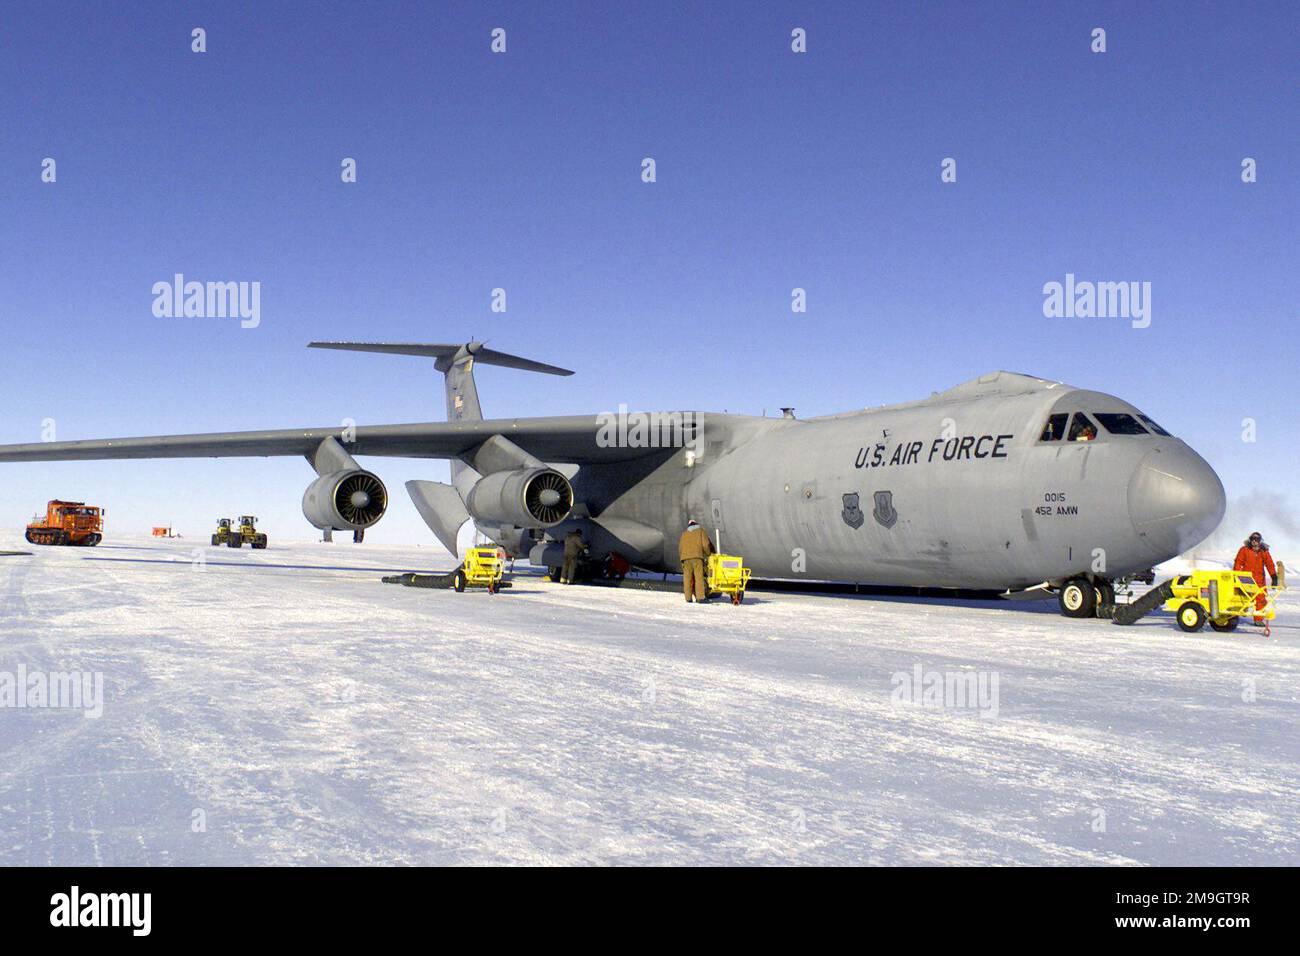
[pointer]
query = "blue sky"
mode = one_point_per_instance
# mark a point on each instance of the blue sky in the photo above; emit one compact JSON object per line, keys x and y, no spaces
{"x":522,"y":170}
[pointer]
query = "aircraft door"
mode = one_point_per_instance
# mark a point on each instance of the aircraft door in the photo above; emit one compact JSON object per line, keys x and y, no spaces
{"x":716,"y":524}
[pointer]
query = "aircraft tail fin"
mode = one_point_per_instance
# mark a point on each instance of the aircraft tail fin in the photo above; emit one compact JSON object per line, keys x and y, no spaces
{"x":456,"y":362}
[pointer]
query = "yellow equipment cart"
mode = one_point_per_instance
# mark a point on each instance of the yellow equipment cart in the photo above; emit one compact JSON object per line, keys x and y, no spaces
{"x":483,"y":568}
{"x":727,"y":574}
{"x":1220,"y":597}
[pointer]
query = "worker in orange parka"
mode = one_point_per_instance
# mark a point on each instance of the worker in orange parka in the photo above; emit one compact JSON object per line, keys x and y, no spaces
{"x":1254,"y":557}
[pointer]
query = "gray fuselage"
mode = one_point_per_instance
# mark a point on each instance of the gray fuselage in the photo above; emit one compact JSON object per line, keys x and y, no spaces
{"x":957,"y":491}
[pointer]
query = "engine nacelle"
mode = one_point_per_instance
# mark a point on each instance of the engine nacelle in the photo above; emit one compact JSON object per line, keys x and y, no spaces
{"x":350,"y":500}
{"x":527,"y":498}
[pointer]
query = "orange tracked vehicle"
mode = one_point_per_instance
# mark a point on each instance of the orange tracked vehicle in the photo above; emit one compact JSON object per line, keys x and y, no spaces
{"x":68,"y":522}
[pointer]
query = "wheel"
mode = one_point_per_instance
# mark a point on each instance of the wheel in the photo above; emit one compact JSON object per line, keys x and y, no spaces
{"x":94,"y":540}
{"x":1105,"y":598}
{"x":1078,"y":598}
{"x":30,"y":539}
{"x":214,"y":541}
{"x":233,"y":541}
{"x":1224,"y":626}
{"x":1191,"y":617}
{"x":458,"y":581}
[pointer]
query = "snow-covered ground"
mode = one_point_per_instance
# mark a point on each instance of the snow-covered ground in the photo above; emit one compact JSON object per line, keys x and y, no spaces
{"x":284,"y":706}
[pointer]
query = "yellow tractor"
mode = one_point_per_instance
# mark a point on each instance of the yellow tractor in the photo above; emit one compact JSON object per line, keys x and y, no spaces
{"x":222,"y":534}
{"x":245,"y":532}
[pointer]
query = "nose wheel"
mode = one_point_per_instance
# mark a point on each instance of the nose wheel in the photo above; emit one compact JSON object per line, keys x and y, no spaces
{"x":1105,"y":598}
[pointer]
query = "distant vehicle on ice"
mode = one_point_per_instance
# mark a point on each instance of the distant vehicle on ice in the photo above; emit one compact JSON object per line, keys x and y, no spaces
{"x":67,"y":522}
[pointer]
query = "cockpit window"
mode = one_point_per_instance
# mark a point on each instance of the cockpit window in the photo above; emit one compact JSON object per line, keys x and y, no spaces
{"x":1154,"y":427}
{"x":1055,"y":427}
{"x":1082,"y":428}
{"x":1119,"y":423}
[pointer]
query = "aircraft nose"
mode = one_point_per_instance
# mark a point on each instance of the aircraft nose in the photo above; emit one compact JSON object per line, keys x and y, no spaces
{"x":1175,"y":500}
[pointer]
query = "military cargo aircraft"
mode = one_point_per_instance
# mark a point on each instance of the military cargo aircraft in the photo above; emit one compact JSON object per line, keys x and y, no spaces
{"x":1006,"y":482}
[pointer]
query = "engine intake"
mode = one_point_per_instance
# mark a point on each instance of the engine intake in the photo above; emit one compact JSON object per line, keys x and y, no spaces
{"x":527,"y":498}
{"x":349,"y":500}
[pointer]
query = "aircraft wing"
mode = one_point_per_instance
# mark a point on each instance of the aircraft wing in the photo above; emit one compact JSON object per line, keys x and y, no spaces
{"x":574,"y":439}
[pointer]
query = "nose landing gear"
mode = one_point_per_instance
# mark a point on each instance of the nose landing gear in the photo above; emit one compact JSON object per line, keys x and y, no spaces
{"x":1079,"y":597}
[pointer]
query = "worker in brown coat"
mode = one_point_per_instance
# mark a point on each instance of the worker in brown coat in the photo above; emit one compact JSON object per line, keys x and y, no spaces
{"x":573,"y":548}
{"x":694,"y":549}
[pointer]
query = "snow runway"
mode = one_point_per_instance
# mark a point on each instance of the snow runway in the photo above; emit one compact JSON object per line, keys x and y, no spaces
{"x":284,"y":706}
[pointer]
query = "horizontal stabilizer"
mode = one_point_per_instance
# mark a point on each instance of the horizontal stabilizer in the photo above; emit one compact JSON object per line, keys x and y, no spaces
{"x":445,"y":354}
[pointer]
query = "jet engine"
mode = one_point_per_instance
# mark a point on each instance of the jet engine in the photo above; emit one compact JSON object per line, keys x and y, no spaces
{"x":349,"y":500}
{"x":527,"y":498}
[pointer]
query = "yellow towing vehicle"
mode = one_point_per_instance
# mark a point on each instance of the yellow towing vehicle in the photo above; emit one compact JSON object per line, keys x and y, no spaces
{"x":1221,"y":598}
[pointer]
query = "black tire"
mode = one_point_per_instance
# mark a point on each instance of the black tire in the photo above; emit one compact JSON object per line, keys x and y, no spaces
{"x":30,"y":539}
{"x":1229,"y":625}
{"x":458,"y":581}
{"x":1078,"y":598}
{"x":94,"y":540}
{"x":233,"y":541}
{"x":1191,"y":617}
{"x":215,"y":542}
{"x":1105,"y":598}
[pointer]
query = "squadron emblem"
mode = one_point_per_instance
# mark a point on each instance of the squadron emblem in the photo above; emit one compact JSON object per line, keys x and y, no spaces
{"x":884,"y":512}
{"x":852,"y":514}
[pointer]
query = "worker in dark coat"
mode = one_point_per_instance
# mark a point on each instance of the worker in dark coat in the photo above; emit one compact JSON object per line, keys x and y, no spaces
{"x":574,"y":546}
{"x":1254,"y":557}
{"x":694,"y":549}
